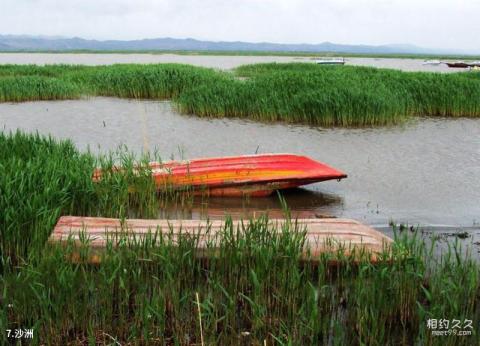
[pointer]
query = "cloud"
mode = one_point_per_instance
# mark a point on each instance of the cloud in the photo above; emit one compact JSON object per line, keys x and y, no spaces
{"x":429,"y":23}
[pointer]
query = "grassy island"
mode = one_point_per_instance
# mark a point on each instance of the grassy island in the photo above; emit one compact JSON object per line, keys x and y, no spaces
{"x":295,"y":92}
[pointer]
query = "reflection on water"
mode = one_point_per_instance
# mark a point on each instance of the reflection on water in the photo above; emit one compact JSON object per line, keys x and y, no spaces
{"x":301,"y":203}
{"x":424,"y":172}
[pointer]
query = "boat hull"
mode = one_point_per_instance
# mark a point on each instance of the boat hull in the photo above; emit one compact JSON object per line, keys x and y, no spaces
{"x":458,"y":65}
{"x":321,"y":62}
{"x":252,"y":175}
{"x":464,"y":64}
{"x":322,"y":236}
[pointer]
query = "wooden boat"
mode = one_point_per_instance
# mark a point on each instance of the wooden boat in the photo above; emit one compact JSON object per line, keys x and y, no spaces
{"x":458,"y":64}
{"x":330,"y":61}
{"x":323,"y":236}
{"x":253,"y":175}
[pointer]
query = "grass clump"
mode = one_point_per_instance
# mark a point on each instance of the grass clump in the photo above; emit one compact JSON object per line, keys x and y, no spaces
{"x":392,"y":95}
{"x":317,"y":97}
{"x":35,"y":88}
{"x":42,"y":179}
{"x":166,"y":81}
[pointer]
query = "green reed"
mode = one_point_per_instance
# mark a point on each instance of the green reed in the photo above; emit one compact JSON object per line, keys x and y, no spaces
{"x":35,"y":88}
{"x":41,"y":179}
{"x":375,"y":96}
{"x":254,"y":290}
{"x":314,"y":98}
{"x":295,"y":92}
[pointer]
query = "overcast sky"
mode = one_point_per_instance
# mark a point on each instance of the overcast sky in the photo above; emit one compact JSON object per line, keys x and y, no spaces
{"x":427,"y":23}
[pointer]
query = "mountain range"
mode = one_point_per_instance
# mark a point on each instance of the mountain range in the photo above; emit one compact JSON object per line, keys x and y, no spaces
{"x":56,"y":43}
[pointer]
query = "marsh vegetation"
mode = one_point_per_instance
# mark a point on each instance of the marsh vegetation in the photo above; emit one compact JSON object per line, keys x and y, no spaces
{"x":157,"y":292}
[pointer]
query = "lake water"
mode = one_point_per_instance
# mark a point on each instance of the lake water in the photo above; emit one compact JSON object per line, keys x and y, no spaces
{"x":220,"y":62}
{"x":425,"y":172}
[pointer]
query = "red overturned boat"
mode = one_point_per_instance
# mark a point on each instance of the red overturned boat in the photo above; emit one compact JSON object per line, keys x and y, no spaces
{"x":252,"y":175}
{"x":462,"y":64}
{"x":458,"y":64}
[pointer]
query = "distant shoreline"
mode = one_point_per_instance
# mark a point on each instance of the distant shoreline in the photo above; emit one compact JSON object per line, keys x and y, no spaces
{"x":253,"y":53}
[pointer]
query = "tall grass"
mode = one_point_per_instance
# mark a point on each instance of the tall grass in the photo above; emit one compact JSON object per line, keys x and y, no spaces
{"x":396,"y":94}
{"x":163,"y":81}
{"x":319,"y":97}
{"x":299,"y":93}
{"x":39,"y":180}
{"x":254,"y":291}
{"x":42,"y":179}
{"x":35,"y":88}
{"x":166,"y":81}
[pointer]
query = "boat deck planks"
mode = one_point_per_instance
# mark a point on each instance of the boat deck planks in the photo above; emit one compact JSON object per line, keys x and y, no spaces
{"x":322,"y":235}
